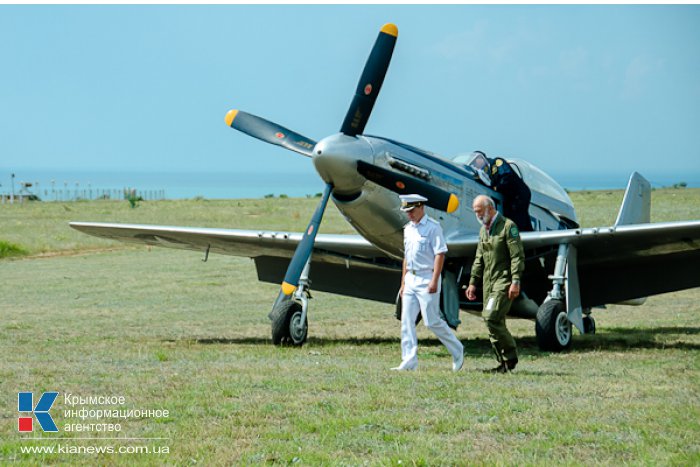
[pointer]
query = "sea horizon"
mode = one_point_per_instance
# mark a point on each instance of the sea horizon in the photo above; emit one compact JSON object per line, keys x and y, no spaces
{"x":65,"y":184}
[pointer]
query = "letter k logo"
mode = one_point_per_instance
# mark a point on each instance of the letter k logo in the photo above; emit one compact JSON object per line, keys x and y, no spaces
{"x":41,"y":411}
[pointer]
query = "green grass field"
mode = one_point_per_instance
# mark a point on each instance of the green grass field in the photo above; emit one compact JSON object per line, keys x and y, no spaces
{"x":90,"y":317}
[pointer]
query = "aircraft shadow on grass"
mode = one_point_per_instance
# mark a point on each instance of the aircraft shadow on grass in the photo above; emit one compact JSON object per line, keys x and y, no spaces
{"x":611,"y":340}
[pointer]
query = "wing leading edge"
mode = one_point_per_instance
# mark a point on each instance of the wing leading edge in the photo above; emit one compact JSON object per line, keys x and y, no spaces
{"x":236,"y":242}
{"x":342,"y":264}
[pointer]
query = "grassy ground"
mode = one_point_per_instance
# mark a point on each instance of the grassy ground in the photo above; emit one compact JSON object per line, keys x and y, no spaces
{"x":41,"y":227}
{"x":167,"y":331}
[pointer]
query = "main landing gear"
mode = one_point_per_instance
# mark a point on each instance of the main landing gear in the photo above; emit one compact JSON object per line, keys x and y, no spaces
{"x":562,"y":309}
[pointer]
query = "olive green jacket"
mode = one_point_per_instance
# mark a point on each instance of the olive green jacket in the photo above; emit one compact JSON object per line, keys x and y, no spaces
{"x":500,"y":258}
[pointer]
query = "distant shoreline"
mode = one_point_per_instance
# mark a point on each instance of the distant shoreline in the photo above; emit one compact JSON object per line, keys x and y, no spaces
{"x":64,"y":185}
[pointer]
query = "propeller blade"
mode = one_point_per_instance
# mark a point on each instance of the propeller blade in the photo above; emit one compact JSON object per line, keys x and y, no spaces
{"x":303,"y":251}
{"x":405,"y":184}
{"x":269,"y":132}
{"x":371,"y":81}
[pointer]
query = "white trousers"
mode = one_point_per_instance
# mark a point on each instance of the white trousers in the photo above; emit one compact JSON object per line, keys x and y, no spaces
{"x":416,"y":299}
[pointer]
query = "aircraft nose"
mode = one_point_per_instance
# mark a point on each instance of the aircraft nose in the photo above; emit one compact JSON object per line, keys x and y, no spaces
{"x":335,"y":159}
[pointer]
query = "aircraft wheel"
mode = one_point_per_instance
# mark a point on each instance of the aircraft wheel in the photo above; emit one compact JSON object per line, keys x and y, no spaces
{"x":552,"y":327}
{"x":280,"y":321}
{"x":298,"y":330}
{"x":588,"y":325}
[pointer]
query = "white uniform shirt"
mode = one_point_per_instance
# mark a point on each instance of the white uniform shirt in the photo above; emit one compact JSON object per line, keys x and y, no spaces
{"x":421,"y":243}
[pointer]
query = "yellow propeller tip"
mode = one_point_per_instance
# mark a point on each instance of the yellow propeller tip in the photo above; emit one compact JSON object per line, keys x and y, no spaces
{"x":391,"y":29}
{"x":287,"y":288}
{"x":452,"y":204}
{"x":230,"y":115}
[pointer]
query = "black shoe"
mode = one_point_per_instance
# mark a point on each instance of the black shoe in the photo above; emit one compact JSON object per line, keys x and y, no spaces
{"x":505,"y":367}
{"x":499,"y":369}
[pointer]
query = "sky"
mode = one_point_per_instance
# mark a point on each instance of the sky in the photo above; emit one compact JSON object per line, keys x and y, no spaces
{"x":572,"y":89}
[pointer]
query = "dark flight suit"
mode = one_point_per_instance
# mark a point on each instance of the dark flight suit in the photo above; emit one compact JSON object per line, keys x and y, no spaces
{"x":500,"y":259}
{"x":516,"y":194}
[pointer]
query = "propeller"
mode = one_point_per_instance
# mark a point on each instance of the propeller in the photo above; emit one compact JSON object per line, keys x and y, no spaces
{"x":305,"y":247}
{"x":269,"y":132}
{"x":354,"y":124}
{"x":370,"y":81}
{"x":405,"y":184}
{"x":356,"y":118}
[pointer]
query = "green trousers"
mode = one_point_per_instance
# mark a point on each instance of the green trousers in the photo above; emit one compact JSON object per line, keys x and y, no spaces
{"x":496,"y":307}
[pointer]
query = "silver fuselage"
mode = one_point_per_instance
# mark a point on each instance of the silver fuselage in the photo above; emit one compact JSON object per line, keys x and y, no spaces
{"x":375,"y":211}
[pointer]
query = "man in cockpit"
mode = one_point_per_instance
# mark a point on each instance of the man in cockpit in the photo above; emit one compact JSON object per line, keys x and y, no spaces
{"x":499,"y":174}
{"x":481,"y":165}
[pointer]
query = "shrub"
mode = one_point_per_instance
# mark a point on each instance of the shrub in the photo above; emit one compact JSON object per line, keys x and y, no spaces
{"x":8,"y":250}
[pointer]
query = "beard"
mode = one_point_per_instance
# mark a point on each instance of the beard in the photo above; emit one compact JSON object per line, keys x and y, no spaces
{"x":483,"y":220}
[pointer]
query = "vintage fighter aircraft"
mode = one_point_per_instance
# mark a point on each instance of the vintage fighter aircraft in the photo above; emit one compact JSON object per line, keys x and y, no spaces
{"x":569,"y":269}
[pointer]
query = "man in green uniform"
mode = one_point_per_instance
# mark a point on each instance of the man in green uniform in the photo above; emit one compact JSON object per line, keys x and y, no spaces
{"x":499,"y":263}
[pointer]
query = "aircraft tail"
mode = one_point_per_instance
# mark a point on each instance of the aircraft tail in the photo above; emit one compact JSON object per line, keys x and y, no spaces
{"x":636,"y":205}
{"x":635,"y":209}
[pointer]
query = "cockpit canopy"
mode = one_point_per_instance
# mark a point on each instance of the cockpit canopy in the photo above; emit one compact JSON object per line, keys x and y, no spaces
{"x":478,"y":164}
{"x":535,"y":178}
{"x":539,"y":181}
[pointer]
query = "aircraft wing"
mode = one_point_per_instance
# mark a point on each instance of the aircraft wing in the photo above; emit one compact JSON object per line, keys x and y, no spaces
{"x":342,"y":264}
{"x":614,"y":263}
{"x":619,"y":263}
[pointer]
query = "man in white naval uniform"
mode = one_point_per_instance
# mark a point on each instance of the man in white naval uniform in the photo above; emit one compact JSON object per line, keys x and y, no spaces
{"x":424,"y":256}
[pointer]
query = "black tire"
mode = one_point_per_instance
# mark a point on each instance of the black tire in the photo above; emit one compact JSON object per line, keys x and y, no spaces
{"x":286,"y":324}
{"x":280,"y":316}
{"x":588,"y":325}
{"x":552,"y":327}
